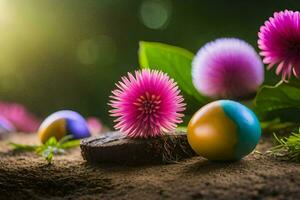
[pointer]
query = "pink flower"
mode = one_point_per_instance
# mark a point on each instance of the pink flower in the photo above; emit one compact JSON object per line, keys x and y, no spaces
{"x":147,"y":104}
{"x":227,"y":68}
{"x":279,"y":41}
{"x":95,"y":125}
{"x":19,"y":116}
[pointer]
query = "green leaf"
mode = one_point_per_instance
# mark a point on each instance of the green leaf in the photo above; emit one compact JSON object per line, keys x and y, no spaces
{"x":174,"y":61}
{"x":48,"y":154}
{"x":280,"y":101}
{"x":51,"y":142}
{"x":49,"y":157}
{"x":70,"y":144}
{"x":65,"y":139}
{"x":23,"y":147}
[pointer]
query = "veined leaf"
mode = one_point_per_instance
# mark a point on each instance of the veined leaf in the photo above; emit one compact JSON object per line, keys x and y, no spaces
{"x":174,"y":61}
{"x":279,"y":101}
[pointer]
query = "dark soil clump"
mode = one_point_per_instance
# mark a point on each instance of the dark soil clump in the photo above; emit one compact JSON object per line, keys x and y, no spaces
{"x":113,"y":147}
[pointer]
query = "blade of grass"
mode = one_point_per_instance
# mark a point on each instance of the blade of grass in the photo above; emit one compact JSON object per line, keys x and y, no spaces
{"x":288,"y":148}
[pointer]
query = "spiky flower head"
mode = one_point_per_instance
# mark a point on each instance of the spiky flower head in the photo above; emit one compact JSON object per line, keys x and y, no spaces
{"x":279,"y":41}
{"x":227,"y":68}
{"x":146,"y":104}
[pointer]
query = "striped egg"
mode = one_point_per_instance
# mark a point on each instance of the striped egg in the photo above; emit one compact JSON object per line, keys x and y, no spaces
{"x":224,"y":130}
{"x":62,"y":123}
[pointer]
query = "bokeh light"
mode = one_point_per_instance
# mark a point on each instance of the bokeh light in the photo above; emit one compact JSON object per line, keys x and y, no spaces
{"x":102,"y":49}
{"x":155,"y":14}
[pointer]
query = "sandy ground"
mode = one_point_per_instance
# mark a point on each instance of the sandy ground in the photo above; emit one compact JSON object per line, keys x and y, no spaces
{"x":27,"y":176}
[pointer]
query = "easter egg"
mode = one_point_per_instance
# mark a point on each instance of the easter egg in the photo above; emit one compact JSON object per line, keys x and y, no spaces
{"x":62,"y":123}
{"x":224,"y":130}
{"x":5,"y":127}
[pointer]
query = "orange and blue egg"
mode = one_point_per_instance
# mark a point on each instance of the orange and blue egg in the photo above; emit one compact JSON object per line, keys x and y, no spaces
{"x":224,"y":130}
{"x":62,"y":123}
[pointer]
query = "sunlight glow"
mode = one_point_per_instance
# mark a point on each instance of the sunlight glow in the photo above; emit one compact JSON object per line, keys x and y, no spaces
{"x":5,"y":13}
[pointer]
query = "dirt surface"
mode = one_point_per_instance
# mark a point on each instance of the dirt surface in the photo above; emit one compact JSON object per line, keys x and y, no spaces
{"x":27,"y":176}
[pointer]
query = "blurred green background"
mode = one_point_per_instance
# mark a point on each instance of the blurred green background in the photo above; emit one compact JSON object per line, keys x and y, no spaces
{"x":67,"y":54}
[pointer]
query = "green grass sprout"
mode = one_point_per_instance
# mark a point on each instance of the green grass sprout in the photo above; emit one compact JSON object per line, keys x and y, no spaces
{"x":288,"y":147}
{"x":50,"y":148}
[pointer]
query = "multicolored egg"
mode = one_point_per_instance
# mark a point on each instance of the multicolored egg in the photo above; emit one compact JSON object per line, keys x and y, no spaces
{"x":5,"y":127}
{"x":62,"y":123}
{"x":224,"y":130}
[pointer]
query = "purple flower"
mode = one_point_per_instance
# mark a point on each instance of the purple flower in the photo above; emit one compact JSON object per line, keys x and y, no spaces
{"x":147,"y":104}
{"x":227,"y":68}
{"x":279,"y":41}
{"x":19,"y":116}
